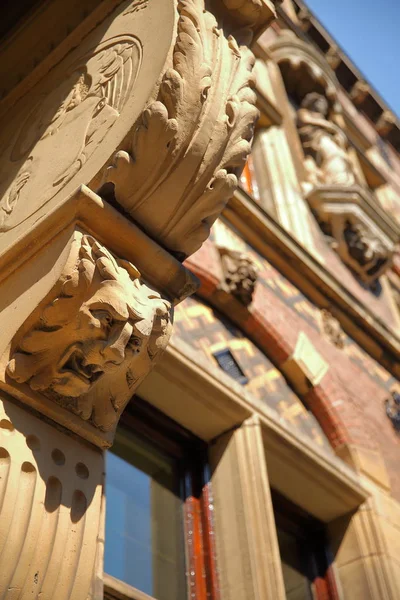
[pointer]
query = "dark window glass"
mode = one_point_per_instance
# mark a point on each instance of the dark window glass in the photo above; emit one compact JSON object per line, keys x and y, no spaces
{"x":227,"y":363}
{"x":305,"y":556}
{"x":144,"y":532}
{"x":297,"y":584}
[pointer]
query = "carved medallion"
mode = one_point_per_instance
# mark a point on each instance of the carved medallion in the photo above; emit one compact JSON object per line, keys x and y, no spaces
{"x":61,"y":132}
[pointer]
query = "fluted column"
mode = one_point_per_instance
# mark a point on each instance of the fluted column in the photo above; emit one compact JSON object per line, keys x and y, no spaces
{"x":50,"y":499}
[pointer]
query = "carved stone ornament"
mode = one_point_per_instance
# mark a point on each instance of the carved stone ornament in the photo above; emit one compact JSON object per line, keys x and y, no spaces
{"x":240,"y":275}
{"x":201,"y":125}
{"x":332,"y":329}
{"x":304,"y":68}
{"x":90,"y":345}
{"x":254,"y":14}
{"x":361,"y":232}
{"x":62,"y":128}
{"x":393,"y":410}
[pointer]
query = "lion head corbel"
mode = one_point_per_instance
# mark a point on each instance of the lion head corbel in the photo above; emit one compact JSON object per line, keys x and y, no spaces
{"x":94,"y":342}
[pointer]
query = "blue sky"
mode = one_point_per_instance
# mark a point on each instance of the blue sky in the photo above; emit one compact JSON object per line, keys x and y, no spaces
{"x":369,"y":33}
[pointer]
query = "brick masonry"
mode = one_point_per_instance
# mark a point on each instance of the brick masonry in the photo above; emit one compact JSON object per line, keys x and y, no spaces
{"x":349,"y":402}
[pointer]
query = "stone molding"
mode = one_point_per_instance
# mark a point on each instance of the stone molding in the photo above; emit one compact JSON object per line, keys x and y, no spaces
{"x":242,"y":496}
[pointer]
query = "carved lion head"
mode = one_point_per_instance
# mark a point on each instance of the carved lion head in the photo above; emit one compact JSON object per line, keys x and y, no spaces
{"x":104,"y":324}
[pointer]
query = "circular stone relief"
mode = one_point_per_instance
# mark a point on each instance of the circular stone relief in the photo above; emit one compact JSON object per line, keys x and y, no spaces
{"x":64,"y":129}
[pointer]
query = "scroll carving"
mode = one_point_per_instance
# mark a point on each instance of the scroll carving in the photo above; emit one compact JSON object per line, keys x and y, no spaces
{"x":240,"y":275}
{"x":201,"y":124}
{"x":93,"y":343}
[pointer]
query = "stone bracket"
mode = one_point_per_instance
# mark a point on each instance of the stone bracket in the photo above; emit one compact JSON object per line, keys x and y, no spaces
{"x":91,"y":305}
{"x":363,"y":235}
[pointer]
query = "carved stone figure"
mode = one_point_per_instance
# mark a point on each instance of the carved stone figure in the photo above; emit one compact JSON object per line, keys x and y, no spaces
{"x":332,"y":329}
{"x":393,"y":410}
{"x":324,"y":144}
{"x":103,"y":325}
{"x":240,"y":275}
{"x":364,"y":247}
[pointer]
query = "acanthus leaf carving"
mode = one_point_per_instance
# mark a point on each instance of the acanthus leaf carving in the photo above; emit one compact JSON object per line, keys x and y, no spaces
{"x":96,"y":339}
{"x":201,"y":126}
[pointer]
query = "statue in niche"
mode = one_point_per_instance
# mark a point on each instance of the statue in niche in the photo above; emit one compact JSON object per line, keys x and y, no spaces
{"x":102,"y":331}
{"x":324,"y":144}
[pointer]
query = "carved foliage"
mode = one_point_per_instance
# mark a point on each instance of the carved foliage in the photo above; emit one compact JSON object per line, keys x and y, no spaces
{"x":240,"y":275}
{"x":183,"y":160}
{"x":95,"y":341}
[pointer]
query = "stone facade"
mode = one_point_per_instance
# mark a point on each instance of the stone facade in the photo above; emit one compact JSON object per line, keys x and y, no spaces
{"x":263,"y":318}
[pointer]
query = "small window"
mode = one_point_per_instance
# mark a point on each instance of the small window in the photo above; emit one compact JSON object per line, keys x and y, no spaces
{"x":305,"y":557}
{"x":158,"y":524}
{"x":227,"y":362}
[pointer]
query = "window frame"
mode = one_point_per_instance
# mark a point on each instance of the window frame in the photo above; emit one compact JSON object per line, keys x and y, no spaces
{"x":153,"y":426}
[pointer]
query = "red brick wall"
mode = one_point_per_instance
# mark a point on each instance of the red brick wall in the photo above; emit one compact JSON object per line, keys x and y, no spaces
{"x":349,"y":401}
